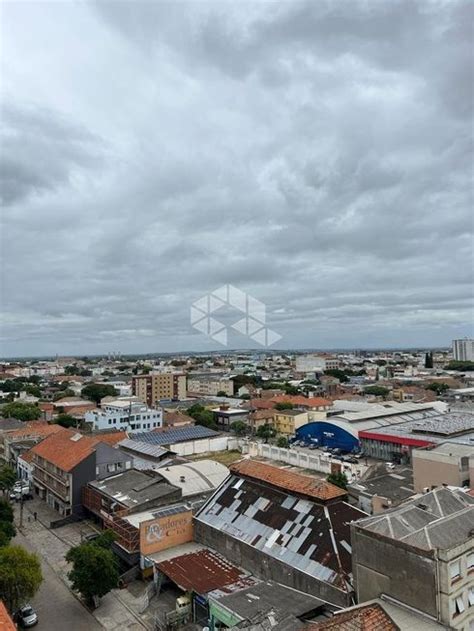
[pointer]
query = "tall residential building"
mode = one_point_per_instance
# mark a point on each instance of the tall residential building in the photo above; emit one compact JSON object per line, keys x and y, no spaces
{"x":151,"y":389}
{"x":210,"y":384}
{"x":463,"y":350}
{"x":421,"y":554}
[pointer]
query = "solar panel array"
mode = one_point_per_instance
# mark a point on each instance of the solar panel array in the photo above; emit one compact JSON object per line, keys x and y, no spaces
{"x":174,"y":435}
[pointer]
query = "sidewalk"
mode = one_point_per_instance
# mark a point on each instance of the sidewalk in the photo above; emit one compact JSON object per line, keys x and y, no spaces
{"x":119,"y":610}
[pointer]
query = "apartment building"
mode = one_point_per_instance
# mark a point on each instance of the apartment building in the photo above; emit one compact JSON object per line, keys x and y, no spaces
{"x":420,"y":554}
{"x":315,"y":363}
{"x":286,"y":422}
{"x":447,"y":463}
{"x":64,"y":462}
{"x":210,"y":385}
{"x":463,"y":350}
{"x":153,"y":388}
{"x":125,"y":414}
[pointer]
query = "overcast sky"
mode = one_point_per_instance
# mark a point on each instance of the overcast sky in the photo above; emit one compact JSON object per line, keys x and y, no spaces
{"x":316,"y":155}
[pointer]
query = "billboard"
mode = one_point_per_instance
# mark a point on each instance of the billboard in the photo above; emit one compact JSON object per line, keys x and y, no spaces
{"x":165,"y":532}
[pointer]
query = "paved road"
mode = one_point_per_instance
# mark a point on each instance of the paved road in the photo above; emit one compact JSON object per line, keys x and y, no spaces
{"x":58,"y":609}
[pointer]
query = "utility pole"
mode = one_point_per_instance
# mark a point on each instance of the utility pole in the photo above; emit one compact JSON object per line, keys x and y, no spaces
{"x":21,"y":510}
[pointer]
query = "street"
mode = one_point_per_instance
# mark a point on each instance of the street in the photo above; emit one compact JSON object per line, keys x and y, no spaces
{"x":57,"y":608}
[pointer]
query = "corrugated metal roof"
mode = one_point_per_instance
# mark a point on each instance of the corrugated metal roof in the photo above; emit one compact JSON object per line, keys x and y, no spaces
{"x":203,"y":571}
{"x":301,"y":533}
{"x":145,"y":448}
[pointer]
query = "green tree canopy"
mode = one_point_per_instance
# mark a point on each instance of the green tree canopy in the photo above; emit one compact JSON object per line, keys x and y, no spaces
{"x":20,"y":576}
{"x":202,"y":416}
{"x":284,"y":405}
{"x":61,"y":394}
{"x":221,"y":393}
{"x":266,"y":431}
{"x":460,"y":366}
{"x":66,"y":420}
{"x":439,"y":388}
{"x":378,"y":391}
{"x":239,"y":427}
{"x":338,"y":374}
{"x":338,"y":479}
{"x":282,"y":442}
{"x":21,"y":411}
{"x":97,"y":391}
{"x":6,"y":510}
{"x":94,"y":570}
{"x":7,"y":532}
{"x":7,"y":477}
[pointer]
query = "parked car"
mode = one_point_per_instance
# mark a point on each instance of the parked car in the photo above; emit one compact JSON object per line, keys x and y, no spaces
{"x":313,"y":446}
{"x":26,"y":617}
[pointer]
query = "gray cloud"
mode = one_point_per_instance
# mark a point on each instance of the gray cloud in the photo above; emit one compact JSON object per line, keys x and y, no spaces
{"x":317,"y":155}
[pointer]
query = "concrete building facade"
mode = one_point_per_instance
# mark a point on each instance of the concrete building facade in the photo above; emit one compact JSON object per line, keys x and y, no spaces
{"x":125,"y":413}
{"x":444,"y":464}
{"x":463,"y":350}
{"x":153,"y":388}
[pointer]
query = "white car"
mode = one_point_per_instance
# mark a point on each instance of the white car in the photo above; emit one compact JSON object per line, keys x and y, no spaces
{"x":26,"y":617}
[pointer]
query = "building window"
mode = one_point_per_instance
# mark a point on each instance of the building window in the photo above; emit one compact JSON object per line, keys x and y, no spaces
{"x":470,"y":562}
{"x":455,"y":570}
{"x":458,"y":605}
{"x":470,"y":597}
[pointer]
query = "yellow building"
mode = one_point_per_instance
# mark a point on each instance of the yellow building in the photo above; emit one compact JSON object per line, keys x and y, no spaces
{"x":286,"y":422}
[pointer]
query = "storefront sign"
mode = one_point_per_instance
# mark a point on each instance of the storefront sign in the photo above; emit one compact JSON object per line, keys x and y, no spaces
{"x":165,"y":532}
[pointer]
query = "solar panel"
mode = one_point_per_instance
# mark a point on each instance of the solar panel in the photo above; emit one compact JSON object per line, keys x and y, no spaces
{"x":175,"y":435}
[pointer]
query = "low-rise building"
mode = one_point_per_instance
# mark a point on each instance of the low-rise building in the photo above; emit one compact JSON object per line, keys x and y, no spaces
{"x":224,"y":416}
{"x":379,"y":489}
{"x":420,"y":554}
{"x":286,"y":422}
{"x":283,"y":526}
{"x":444,"y":464}
{"x":210,"y":384}
{"x":125,"y":413}
{"x":65,"y":461}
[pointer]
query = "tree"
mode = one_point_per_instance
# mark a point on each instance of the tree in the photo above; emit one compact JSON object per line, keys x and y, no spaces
{"x":7,"y":478}
{"x":239,"y":427}
{"x":282,"y":442}
{"x":284,"y":405}
{"x":66,"y":420}
{"x":221,"y":393}
{"x":439,"y":388}
{"x":7,"y":532}
{"x":266,"y":431}
{"x":20,"y":576}
{"x":97,"y":391}
{"x":202,"y":416}
{"x":94,"y":570}
{"x":428,"y":360}
{"x":21,"y":411}
{"x":338,"y":479}
{"x":338,"y":374}
{"x":63,"y":393}
{"x":104,"y":540}
{"x":6,"y":510}
{"x":460,"y":366}
{"x":378,"y":391}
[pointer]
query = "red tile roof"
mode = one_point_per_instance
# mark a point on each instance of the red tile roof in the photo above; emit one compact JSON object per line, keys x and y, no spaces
{"x":111,"y":438}
{"x":35,"y":429}
{"x":288,"y":480}
{"x":6,"y":623}
{"x":203,"y":571}
{"x":363,"y":618}
{"x":65,"y":449}
{"x":301,"y":401}
{"x":26,"y":456}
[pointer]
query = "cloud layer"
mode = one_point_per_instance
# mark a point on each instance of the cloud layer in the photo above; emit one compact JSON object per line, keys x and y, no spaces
{"x":317,"y":155}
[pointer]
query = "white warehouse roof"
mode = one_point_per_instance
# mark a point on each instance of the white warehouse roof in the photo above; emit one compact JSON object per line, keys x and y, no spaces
{"x":195,"y":477}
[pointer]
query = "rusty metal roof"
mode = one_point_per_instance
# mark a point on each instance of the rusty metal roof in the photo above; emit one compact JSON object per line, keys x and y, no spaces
{"x":204,"y":571}
{"x":308,"y":536}
{"x":288,"y":480}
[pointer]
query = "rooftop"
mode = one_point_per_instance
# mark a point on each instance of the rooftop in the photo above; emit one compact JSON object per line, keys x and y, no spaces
{"x":396,"y":485}
{"x":452,"y":426}
{"x":168,"y":436}
{"x":144,"y":448}
{"x":440,"y":519}
{"x":203,"y":571}
{"x":312,"y":538}
{"x":289,"y":480}
{"x":133,"y":488}
{"x":65,"y":449}
{"x":362,"y":618}
{"x":197,"y":477}
{"x":264,"y":597}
